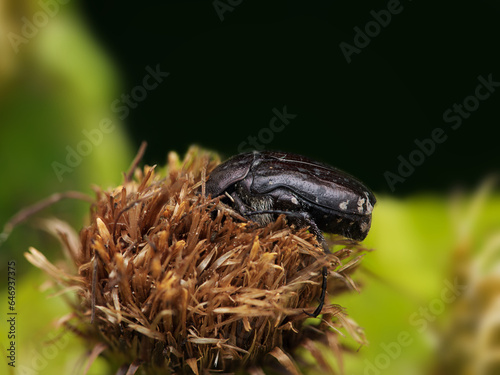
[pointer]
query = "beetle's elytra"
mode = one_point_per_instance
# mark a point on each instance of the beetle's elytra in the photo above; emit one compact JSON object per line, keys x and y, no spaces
{"x":310,"y":193}
{"x":262,"y":185}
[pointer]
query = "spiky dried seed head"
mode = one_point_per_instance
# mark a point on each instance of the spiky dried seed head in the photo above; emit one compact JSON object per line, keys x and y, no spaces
{"x":169,"y":279}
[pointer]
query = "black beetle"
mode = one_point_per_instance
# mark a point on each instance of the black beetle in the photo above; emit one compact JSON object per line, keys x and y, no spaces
{"x":268,"y":183}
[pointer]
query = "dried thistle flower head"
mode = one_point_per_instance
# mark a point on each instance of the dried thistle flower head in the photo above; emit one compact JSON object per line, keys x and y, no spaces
{"x":170,"y":281}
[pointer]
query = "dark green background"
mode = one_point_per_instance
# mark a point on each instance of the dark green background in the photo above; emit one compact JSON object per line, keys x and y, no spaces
{"x":227,"y":76}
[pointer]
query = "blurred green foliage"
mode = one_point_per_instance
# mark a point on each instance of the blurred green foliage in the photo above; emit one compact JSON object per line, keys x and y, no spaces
{"x":412,"y":283}
{"x":58,"y":84}
{"x":61,"y":83}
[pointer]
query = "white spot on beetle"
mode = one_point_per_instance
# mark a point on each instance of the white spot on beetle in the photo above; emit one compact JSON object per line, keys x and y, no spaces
{"x":361,"y":201}
{"x":364,"y":227}
{"x":294,"y":201}
{"x":343,"y":205}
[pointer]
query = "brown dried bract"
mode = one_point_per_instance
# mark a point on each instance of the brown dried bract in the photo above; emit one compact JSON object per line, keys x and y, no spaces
{"x":168,"y":279}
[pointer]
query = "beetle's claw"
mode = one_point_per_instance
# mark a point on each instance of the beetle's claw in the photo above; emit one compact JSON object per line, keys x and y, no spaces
{"x":316,"y":312}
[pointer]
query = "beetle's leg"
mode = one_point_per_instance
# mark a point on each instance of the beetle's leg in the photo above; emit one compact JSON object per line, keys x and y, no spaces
{"x":321,"y":239}
{"x":324,"y":285}
{"x":317,"y":232}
